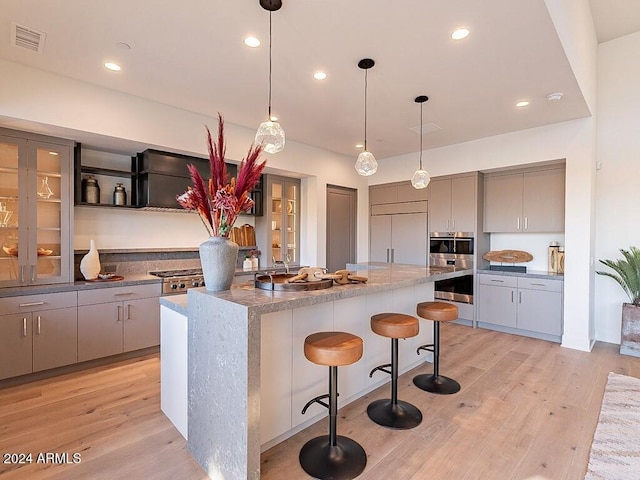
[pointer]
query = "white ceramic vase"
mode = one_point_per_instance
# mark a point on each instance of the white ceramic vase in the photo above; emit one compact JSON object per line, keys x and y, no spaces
{"x":90,"y":263}
{"x":218,"y":257}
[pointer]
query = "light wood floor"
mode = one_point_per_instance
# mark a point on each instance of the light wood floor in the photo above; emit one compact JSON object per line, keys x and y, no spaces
{"x":527,"y":410}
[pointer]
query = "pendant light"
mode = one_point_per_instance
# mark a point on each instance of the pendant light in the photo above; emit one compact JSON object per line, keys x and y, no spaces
{"x":366,"y":163}
{"x":421,"y":178}
{"x":270,"y":134}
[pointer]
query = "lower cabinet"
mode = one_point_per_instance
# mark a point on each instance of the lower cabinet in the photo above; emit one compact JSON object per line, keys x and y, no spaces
{"x":117,"y":320}
{"x":529,"y":305}
{"x":38,"y":332}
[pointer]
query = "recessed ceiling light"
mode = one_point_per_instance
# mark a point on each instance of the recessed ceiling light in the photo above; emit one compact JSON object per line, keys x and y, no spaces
{"x":554,"y":97}
{"x":359,"y":145}
{"x":114,"y":67}
{"x":460,"y":33}
{"x":319,"y":75}
{"x":252,"y":42}
{"x":522,"y":103}
{"x":53,"y":153}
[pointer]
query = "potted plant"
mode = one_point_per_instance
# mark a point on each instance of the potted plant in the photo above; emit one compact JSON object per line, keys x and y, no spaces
{"x":626,"y":272}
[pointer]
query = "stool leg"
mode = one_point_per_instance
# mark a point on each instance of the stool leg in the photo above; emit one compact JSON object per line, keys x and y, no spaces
{"x":436,"y":383}
{"x":394,"y":413}
{"x":333,"y":456}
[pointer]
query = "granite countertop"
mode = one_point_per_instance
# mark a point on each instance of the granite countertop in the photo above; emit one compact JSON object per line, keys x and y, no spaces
{"x":528,"y":274}
{"x":381,"y":277}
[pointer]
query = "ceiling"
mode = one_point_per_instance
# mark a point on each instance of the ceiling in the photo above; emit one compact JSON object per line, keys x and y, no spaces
{"x":191,"y":55}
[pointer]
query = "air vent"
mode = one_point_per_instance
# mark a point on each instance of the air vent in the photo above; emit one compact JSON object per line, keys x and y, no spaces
{"x":27,"y":38}
{"x":426,"y":128}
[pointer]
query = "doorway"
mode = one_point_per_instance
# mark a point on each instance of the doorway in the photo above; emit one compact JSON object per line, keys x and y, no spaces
{"x":342,"y":205}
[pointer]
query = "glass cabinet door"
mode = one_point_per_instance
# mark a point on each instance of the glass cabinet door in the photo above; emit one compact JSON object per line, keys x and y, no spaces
{"x":285,"y":221}
{"x":13,"y":254}
{"x":292,"y":191}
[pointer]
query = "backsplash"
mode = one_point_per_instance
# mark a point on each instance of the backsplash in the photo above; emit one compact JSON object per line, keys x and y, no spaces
{"x":536,"y":244}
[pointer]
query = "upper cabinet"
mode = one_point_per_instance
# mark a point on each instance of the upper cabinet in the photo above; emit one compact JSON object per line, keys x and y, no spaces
{"x":396,"y":193}
{"x":453,"y":203}
{"x":528,"y":201}
{"x":35,"y":209}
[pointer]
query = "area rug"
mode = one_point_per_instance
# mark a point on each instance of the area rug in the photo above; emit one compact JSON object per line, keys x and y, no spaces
{"x":615,"y":451}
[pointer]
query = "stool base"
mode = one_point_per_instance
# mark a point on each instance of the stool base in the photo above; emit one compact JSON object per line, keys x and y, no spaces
{"x":436,"y":384}
{"x":400,"y":416}
{"x":344,"y":461}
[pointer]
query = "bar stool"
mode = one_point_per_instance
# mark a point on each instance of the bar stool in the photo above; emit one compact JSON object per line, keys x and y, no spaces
{"x":332,"y":456}
{"x":436,"y":383}
{"x":394,"y":413}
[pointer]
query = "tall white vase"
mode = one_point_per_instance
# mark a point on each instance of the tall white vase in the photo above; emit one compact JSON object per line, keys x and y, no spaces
{"x":90,"y":263}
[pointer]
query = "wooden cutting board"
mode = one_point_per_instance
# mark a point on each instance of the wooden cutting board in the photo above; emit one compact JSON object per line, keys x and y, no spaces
{"x":508,"y":256}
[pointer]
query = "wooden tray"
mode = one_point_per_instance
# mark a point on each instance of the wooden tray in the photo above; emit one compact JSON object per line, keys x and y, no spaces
{"x":115,"y":278}
{"x":508,"y":256}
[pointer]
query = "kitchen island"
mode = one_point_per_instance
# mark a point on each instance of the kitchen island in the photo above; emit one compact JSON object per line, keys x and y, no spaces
{"x":248,"y":378}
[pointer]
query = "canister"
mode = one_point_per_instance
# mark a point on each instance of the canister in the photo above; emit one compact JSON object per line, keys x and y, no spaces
{"x":90,"y":190}
{"x":119,"y":195}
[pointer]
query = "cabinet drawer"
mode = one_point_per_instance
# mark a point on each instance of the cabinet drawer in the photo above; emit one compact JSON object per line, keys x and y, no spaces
{"x":36,"y":303}
{"x":498,"y":280}
{"x":540,"y":284}
{"x":118,"y":294}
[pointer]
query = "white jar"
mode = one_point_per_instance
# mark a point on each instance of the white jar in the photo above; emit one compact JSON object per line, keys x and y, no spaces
{"x":246,"y":265}
{"x":255,"y":263}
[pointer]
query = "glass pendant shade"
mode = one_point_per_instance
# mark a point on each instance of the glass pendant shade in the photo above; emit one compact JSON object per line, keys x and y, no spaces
{"x":420,"y":179}
{"x":271,"y":136}
{"x":366,"y":164}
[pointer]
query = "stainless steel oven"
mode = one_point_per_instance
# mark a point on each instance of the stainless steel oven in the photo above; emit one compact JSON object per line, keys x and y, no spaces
{"x":453,"y":249}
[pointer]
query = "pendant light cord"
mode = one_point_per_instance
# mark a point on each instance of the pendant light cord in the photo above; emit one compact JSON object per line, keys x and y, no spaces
{"x":421,"y":123}
{"x":269,"y":66}
{"x":365,"y":110}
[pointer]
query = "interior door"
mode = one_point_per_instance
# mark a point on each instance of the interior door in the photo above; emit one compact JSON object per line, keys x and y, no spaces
{"x":341,"y":227}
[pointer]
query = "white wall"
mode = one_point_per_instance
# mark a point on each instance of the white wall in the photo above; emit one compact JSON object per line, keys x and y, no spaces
{"x":617,"y":185}
{"x":55,"y":105}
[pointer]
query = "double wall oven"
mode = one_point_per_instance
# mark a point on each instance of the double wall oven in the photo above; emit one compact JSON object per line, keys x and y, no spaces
{"x":453,"y":249}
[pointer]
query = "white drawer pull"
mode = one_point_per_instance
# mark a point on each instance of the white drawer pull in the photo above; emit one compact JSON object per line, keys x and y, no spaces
{"x":32,"y":304}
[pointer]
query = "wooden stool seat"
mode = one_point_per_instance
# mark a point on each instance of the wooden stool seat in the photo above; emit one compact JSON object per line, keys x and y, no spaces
{"x":395,"y":325}
{"x":333,"y":349}
{"x":437,"y":311}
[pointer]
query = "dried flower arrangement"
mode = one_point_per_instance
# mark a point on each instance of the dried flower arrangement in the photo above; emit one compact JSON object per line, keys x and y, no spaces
{"x":221,"y":200}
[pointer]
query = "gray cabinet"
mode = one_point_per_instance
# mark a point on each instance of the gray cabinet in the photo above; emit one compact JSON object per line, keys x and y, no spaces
{"x":278,"y":230}
{"x":38,"y":332}
{"x":399,"y":238}
{"x":530,"y":306}
{"x":116,"y":320}
{"x":35,"y":209}
{"x":531,"y":201}
{"x":453,"y":204}
{"x":396,"y":193}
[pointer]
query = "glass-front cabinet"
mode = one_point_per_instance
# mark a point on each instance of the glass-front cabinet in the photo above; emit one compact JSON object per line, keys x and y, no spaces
{"x":281,"y":221}
{"x":35,"y":209}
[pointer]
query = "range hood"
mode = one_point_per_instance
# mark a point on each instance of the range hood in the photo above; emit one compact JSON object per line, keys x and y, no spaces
{"x":163,"y":176}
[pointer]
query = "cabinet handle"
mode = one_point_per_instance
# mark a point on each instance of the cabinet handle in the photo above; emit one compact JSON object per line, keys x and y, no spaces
{"x":448,"y":221}
{"x":497,"y":281}
{"x":519,"y":297}
{"x":518,"y":224}
{"x":526,"y":223}
{"x":21,"y":273}
{"x":453,"y":224}
{"x":539,"y":284}
{"x":119,"y":312}
{"x":38,"y":324}
{"x":30,"y":304}
{"x":128,"y":311}
{"x":24,"y":326}
{"x":393,"y":254}
{"x":387,"y":255}
{"x":32,"y":269}
{"x":511,"y":296}
{"x":124,"y":294}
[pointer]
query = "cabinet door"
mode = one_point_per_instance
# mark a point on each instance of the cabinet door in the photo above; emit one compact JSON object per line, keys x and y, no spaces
{"x":380,"y":238}
{"x":99,"y":330}
{"x":15,"y":345}
{"x":406,"y":193}
{"x":497,"y":305}
{"x":540,"y":311}
{"x":543,"y":201}
{"x":409,"y":238}
{"x":141,"y":323}
{"x":380,"y":194}
{"x":503,"y":203}
{"x":55,"y":338}
{"x":463,"y":204}
{"x":440,"y":205}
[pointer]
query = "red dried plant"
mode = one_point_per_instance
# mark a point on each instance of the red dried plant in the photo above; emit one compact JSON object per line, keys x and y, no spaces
{"x":221,"y":201}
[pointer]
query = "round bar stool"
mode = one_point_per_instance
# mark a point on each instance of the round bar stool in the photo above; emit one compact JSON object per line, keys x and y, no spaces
{"x":394,"y":413}
{"x":436,"y":383}
{"x":332,"y":456}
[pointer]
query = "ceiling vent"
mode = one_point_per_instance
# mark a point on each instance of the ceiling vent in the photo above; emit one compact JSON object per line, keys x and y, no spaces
{"x":27,"y":38}
{"x":426,"y":128}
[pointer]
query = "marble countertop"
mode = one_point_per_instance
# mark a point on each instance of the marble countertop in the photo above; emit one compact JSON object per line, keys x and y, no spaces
{"x":381,"y":277}
{"x":529,"y":274}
